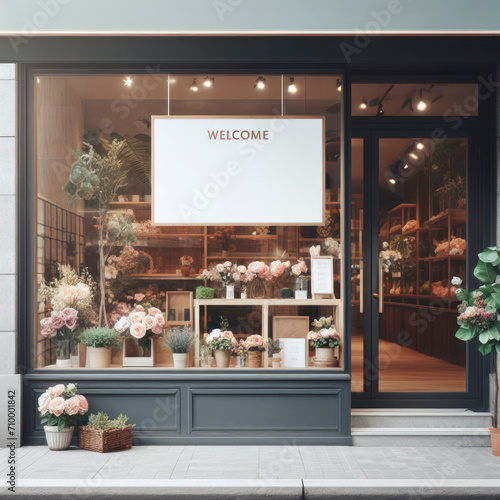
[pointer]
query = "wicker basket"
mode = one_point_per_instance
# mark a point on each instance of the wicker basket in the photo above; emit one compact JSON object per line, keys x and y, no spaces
{"x":105,"y":441}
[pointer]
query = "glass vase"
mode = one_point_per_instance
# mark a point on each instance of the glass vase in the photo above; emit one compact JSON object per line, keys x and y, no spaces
{"x":63,"y":353}
{"x":257,"y":289}
{"x":75,"y":352}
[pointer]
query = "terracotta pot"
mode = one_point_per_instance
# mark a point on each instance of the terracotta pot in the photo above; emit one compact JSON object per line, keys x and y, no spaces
{"x":98,"y":357}
{"x":58,"y":440}
{"x":222,"y":358}
{"x":495,"y":441}
{"x":254,"y":359}
{"x":185,"y":270}
{"x":179,"y":359}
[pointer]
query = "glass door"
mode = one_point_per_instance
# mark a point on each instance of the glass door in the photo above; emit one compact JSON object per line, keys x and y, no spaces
{"x":409,"y":238}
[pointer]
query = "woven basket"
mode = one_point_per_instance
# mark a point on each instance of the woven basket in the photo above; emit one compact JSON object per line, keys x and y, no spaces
{"x":105,"y":441}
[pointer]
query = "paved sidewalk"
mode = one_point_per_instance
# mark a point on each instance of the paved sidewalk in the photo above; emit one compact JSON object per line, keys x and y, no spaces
{"x":291,"y":472}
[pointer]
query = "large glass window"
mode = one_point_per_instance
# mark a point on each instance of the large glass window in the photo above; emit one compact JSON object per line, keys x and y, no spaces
{"x":94,"y":231}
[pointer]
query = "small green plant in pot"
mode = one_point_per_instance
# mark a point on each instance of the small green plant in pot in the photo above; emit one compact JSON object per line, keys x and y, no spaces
{"x":99,"y":343}
{"x":179,"y":341}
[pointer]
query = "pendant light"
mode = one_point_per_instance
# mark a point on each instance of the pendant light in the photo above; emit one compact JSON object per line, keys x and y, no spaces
{"x":194,"y":86}
{"x":292,"y":88}
{"x":421,"y":104}
{"x":260,"y":83}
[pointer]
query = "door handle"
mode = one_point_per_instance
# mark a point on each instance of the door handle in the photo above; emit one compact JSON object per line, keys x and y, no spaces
{"x":361,"y":289}
{"x":375,"y":295}
{"x":380,"y":287}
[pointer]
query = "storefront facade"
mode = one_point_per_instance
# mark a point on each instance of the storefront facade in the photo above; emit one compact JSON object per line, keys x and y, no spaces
{"x":410,"y":168}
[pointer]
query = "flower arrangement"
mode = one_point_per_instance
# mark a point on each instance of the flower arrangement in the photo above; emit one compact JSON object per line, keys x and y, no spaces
{"x":255,"y":343}
{"x":61,"y":326}
{"x":324,"y":334}
{"x":142,"y":325}
{"x":225,"y":274}
{"x":187,"y":261}
{"x":273,"y":347}
{"x":388,"y":256}
{"x":299,"y":270}
{"x":225,"y":342}
{"x":70,"y":289}
{"x":223,"y":235}
{"x":332,"y":247}
{"x":60,"y":406}
{"x":456,"y":246}
{"x":145,"y":228}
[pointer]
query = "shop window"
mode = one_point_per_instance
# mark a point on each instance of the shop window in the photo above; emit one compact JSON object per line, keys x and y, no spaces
{"x":129,"y":263}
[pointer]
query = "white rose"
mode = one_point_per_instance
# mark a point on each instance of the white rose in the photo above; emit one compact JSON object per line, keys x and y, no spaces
{"x":209,"y":339}
{"x":70,"y":387}
{"x":220,"y":268}
{"x":242,"y":269}
{"x":456,"y":281}
{"x":325,"y":333}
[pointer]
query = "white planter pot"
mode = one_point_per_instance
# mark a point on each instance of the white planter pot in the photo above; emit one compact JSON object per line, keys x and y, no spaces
{"x":179,"y":359}
{"x":325,"y":353}
{"x":243,"y":295}
{"x":229,"y":291}
{"x":99,"y":357}
{"x":276,"y":363}
{"x":58,"y":440}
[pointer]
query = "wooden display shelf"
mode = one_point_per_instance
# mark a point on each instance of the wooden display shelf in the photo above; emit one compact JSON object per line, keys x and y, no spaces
{"x":130,"y":204}
{"x":249,"y":237}
{"x":233,"y":256}
{"x":160,"y":276}
{"x":442,"y":257}
{"x":269,"y":302}
{"x":401,"y":206}
{"x":166,"y":236}
{"x":456,"y":216}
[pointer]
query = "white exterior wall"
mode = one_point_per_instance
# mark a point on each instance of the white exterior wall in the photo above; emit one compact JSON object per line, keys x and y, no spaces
{"x":10,"y":380}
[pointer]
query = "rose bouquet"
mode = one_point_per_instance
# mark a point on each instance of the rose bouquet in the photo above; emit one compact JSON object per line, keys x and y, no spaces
{"x":255,"y":345}
{"x":388,"y":257}
{"x":324,"y":334}
{"x":255,"y":278}
{"x":60,"y":406}
{"x":60,"y":326}
{"x":142,"y":325}
{"x":223,"y":235}
{"x":225,"y":342}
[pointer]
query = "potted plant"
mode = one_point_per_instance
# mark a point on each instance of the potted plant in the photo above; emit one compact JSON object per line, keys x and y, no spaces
{"x":186,"y":264}
{"x":255,"y":345}
{"x":478,"y":319}
{"x":326,"y":340}
{"x":223,"y":345}
{"x":223,"y":235}
{"x":273,"y":350}
{"x":104,"y":435}
{"x":61,"y":326}
{"x":143,"y":325}
{"x":99,"y":342}
{"x":179,"y":341}
{"x":59,"y":407}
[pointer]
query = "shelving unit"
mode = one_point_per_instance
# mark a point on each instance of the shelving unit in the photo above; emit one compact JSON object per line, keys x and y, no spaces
{"x":264,"y":304}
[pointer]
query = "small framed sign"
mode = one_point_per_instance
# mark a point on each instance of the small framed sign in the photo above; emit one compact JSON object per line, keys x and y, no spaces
{"x":322,"y":277}
{"x":293,"y":353}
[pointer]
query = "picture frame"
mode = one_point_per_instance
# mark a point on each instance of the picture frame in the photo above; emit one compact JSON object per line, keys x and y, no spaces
{"x":322,"y":277}
{"x":292,"y":328}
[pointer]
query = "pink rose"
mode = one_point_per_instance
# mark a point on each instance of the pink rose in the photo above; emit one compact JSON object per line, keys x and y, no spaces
{"x":149,"y":322}
{"x":220,"y":268}
{"x":227,"y":335}
{"x":337,"y":336}
{"x":277,"y":268}
{"x":264,"y":272}
{"x":153,"y":311}
{"x":56,"y":391}
{"x":44,"y":402}
{"x":236,"y":276}
{"x":137,"y":330}
{"x":136,"y":316}
{"x":256,"y":267}
{"x":69,"y":312}
{"x":46,"y":323}
{"x":255,"y":341}
{"x":248,"y":276}
{"x":71,"y":406}
{"x":83,"y":405}
{"x":57,"y":320}
{"x":139,"y":297}
{"x":70,"y":323}
{"x":56,"y":406}
{"x":138,"y":307}
{"x":160,"y":320}
{"x":313,"y":336}
{"x":325,"y":333}
{"x":49,"y":332}
{"x":157,"y":330}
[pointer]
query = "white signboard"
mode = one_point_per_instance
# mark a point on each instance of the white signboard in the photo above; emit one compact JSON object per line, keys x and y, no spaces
{"x":322,"y":276}
{"x":293,"y":353}
{"x":238,"y":170}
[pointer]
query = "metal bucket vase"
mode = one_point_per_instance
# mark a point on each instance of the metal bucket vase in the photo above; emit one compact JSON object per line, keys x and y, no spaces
{"x":254,"y":359}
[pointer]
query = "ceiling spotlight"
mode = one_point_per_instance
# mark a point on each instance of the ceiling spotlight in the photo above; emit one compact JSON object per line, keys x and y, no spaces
{"x":260,"y":83}
{"x":405,"y":166}
{"x":421,"y":104}
{"x":339,"y":85}
{"x":413,"y":155}
{"x":208,"y":82}
{"x":292,"y":88}
{"x":171,"y":80}
{"x":380,"y":109}
{"x":420,"y":145}
{"x":128,"y":81}
{"x":392,"y":181}
{"x":194,"y":86}
{"x":364,"y":103}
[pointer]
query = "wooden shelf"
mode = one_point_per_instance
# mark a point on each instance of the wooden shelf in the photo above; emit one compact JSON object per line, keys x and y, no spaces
{"x":269,"y":302}
{"x":166,"y":236}
{"x":234,"y":256}
{"x":159,"y":276}
{"x":401,"y":206}
{"x":457,"y":216}
{"x":130,"y":204}
{"x":250,"y":237}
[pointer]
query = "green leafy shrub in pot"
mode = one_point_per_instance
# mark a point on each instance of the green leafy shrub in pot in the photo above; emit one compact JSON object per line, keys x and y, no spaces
{"x":99,"y":343}
{"x":106,"y":338}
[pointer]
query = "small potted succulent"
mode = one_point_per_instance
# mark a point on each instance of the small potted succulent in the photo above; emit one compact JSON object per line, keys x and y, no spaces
{"x":179,"y":341}
{"x":99,"y":343}
{"x":59,"y":407}
{"x":104,"y":435}
{"x":186,"y":265}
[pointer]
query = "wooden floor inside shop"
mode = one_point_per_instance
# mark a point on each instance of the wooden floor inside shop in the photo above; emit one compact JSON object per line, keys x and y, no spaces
{"x":405,"y":370}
